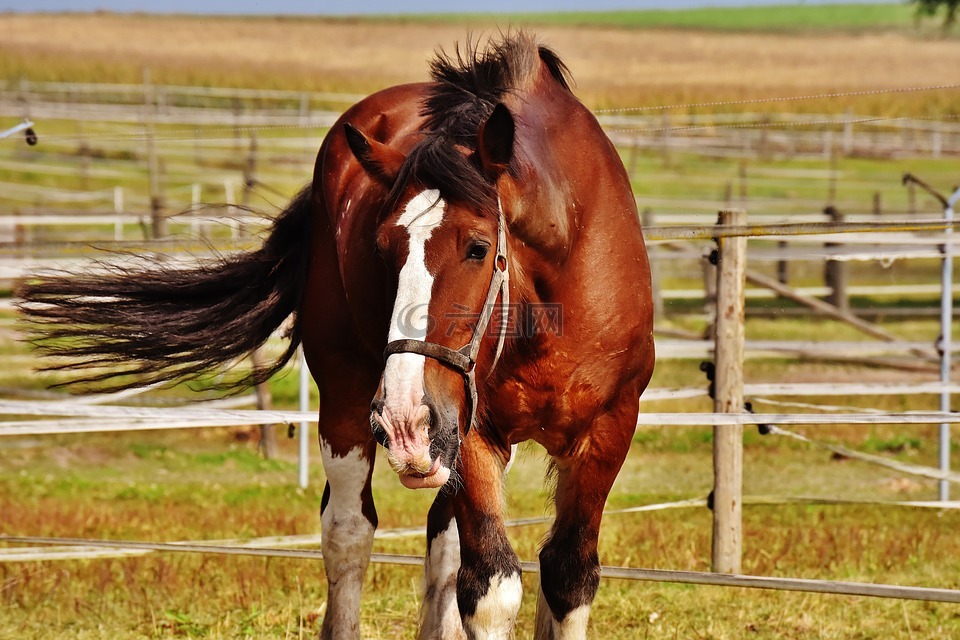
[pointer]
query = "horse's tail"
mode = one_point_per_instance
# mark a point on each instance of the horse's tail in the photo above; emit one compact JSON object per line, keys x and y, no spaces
{"x":125,"y":325}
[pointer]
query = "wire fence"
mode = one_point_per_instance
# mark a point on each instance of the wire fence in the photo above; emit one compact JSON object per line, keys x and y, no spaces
{"x":835,"y":587}
{"x":275,"y":111}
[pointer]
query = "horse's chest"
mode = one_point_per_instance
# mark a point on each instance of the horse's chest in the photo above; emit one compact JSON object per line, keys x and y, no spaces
{"x":551,"y":402}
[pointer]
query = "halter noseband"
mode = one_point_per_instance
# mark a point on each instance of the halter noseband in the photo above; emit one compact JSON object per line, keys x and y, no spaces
{"x":464,"y":359}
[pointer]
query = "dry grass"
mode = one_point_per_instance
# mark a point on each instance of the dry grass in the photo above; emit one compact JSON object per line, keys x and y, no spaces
{"x":613,"y":67}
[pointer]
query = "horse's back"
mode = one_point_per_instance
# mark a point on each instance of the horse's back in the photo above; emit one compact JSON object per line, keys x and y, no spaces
{"x":346,"y":203}
{"x":390,"y":116}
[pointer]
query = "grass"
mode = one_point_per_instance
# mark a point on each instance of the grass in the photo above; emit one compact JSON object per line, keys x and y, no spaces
{"x":797,"y":18}
{"x":204,"y":485}
{"x":210,"y":483}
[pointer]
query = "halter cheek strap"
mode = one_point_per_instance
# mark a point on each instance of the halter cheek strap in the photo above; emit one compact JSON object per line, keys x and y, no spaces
{"x":464,"y":359}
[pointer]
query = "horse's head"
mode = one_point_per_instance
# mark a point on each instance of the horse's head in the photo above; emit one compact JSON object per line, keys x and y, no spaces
{"x":443,"y":237}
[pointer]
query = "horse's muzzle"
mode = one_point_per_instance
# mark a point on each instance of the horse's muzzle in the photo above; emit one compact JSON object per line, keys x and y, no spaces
{"x":406,"y":436}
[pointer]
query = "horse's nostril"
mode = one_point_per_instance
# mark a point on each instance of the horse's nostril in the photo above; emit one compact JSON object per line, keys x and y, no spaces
{"x":379,"y":433}
{"x":432,"y":418}
{"x":381,"y":436}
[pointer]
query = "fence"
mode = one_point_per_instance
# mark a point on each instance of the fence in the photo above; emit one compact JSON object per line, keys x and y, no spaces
{"x":727,"y":420}
{"x":792,"y":135}
{"x":727,"y":134}
{"x":145,"y":106}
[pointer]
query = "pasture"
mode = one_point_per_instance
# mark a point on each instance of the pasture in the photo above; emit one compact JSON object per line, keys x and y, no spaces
{"x":613,"y":66}
{"x":211,"y":484}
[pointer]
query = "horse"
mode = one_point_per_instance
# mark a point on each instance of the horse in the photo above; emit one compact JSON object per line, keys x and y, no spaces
{"x":466,"y":271}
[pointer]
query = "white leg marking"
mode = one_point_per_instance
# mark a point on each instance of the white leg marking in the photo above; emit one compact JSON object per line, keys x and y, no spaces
{"x":346,"y":541}
{"x":497,"y":610}
{"x":439,"y":615}
{"x":573,"y":626}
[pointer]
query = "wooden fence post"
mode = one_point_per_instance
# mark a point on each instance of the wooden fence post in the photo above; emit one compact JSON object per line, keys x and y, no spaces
{"x":158,"y":220}
{"x":83,"y":150}
{"x":665,"y":140}
{"x":249,"y":178}
{"x":728,"y":397}
{"x":647,"y":220}
{"x":848,"y":133}
{"x":231,"y":200}
{"x":118,"y":210}
{"x":268,"y":435}
{"x":783,"y":264}
{"x":835,"y":271}
{"x":634,"y":157}
{"x":744,"y":189}
{"x":196,"y":229}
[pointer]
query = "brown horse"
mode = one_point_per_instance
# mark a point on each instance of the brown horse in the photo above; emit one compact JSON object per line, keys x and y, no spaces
{"x":469,"y":257}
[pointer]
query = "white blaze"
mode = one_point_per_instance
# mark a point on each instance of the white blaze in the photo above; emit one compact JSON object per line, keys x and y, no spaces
{"x":403,"y":374}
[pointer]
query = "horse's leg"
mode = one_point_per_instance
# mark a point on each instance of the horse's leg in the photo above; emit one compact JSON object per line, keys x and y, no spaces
{"x":569,"y":564}
{"x":439,"y":615}
{"x":348,"y":517}
{"x":488,"y":583}
{"x":347,"y":379}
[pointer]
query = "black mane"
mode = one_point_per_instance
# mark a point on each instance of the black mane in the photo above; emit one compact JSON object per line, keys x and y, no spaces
{"x":466,"y":87}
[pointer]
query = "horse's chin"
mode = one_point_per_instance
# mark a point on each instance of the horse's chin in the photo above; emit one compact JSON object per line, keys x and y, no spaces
{"x":434,"y":479}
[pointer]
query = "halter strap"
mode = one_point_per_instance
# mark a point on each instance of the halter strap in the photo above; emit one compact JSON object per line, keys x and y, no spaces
{"x":464,"y":359}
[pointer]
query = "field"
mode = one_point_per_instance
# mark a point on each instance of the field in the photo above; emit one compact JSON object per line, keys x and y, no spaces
{"x":614,"y":66}
{"x":796,"y":18}
{"x":212,"y":484}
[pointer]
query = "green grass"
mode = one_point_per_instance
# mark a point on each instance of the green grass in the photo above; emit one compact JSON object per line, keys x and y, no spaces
{"x":790,"y":18}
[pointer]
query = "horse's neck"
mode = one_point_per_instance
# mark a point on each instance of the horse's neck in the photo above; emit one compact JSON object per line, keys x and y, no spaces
{"x":546,"y":196}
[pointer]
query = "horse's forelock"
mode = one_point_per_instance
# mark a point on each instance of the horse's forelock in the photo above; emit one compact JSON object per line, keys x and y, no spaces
{"x":468,"y":85}
{"x":438,"y":162}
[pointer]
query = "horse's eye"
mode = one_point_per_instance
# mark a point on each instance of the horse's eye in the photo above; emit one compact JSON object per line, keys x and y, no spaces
{"x":477,"y":251}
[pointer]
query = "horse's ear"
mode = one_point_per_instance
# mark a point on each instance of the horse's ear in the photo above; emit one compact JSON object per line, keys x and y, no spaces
{"x":378,"y":160}
{"x":495,"y":142}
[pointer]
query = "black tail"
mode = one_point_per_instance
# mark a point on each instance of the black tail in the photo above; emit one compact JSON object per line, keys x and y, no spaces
{"x":159,"y":322}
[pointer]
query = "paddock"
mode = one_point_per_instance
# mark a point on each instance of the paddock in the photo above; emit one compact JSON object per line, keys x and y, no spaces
{"x":860,"y":238}
{"x":92,"y":416}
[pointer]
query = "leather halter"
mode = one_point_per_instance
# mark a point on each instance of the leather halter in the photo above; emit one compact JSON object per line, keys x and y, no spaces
{"x":464,"y":359}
